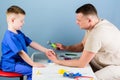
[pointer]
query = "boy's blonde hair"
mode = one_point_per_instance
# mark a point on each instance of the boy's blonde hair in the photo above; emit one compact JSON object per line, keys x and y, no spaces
{"x":15,"y":9}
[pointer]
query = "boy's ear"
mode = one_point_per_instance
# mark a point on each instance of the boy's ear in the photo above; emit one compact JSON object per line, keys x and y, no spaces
{"x":12,"y":19}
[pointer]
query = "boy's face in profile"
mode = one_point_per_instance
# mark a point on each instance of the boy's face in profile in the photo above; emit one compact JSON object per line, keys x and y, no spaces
{"x":18,"y":21}
{"x":15,"y":21}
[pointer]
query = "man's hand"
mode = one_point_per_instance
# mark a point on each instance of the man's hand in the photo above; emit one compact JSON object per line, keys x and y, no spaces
{"x":52,"y":56}
{"x":60,"y":46}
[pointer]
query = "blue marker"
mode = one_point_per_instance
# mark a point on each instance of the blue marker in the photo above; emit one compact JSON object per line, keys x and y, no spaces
{"x":71,"y":75}
{"x":49,"y":61}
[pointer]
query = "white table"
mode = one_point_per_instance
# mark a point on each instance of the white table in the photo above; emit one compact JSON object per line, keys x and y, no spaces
{"x":50,"y":72}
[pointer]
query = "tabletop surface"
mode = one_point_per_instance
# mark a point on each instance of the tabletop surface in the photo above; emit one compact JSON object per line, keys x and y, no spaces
{"x":51,"y":71}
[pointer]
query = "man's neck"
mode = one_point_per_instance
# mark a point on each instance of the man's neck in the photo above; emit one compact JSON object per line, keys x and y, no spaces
{"x":95,"y":21}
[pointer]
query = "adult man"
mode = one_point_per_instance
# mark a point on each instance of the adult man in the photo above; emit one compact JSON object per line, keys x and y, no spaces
{"x":100,"y":46}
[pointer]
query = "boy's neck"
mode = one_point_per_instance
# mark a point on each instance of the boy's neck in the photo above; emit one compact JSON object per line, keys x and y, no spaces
{"x":12,"y":30}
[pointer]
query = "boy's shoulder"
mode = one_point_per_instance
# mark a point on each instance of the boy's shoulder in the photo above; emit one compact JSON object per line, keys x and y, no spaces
{"x":20,"y":32}
{"x":10,"y":35}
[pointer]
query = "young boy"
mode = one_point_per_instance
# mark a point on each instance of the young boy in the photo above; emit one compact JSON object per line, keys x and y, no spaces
{"x":14,"y":45}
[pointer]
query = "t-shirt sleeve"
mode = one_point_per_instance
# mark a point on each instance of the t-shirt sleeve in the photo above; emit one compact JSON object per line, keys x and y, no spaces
{"x":14,"y":44}
{"x":27,"y":40}
{"x":93,"y":43}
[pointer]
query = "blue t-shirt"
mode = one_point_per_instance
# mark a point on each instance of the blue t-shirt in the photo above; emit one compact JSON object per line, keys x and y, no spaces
{"x":12,"y":44}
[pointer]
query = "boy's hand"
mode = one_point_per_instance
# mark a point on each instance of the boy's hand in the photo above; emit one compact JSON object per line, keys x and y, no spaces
{"x":35,"y":64}
{"x":49,"y":51}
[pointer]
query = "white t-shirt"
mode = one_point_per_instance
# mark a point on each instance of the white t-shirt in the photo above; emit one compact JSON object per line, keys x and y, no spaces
{"x":104,"y":40}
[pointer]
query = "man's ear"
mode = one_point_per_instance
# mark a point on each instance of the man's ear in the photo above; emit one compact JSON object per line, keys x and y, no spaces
{"x":89,"y":20}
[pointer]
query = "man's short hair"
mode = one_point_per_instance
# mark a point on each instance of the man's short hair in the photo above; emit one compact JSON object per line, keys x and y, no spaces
{"x":16,"y":10}
{"x":87,"y":9}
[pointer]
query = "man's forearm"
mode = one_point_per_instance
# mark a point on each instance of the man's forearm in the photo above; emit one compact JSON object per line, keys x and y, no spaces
{"x":75,"y":48}
{"x":71,"y":63}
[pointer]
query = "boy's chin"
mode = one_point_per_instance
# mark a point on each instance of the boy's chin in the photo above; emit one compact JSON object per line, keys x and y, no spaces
{"x":19,"y":28}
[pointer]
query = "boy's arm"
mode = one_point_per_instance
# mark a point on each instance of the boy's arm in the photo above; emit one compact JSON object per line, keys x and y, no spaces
{"x":28,"y":60}
{"x":41,"y":48}
{"x":38,"y":46}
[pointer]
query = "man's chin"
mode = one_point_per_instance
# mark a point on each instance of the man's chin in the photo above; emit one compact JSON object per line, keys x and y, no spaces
{"x":81,"y":28}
